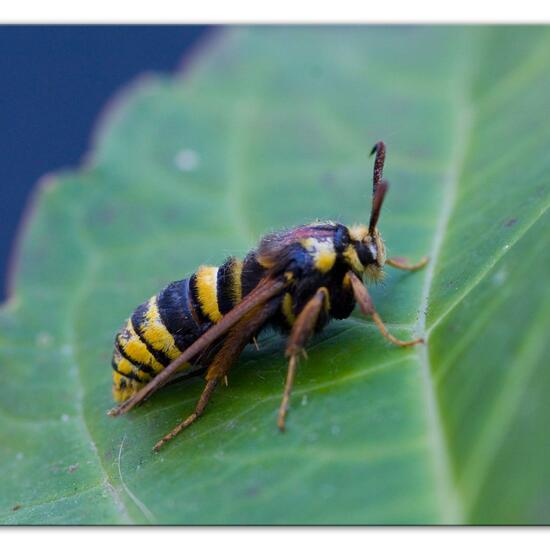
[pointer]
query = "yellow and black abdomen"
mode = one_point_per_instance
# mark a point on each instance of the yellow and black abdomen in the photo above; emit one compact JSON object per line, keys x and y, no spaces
{"x":160,"y":329}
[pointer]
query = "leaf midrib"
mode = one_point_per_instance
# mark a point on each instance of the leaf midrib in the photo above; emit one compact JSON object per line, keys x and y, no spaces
{"x":454,"y":503}
{"x":450,"y":503}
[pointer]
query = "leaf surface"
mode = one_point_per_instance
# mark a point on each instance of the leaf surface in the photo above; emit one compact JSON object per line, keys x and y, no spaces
{"x":268,"y":128}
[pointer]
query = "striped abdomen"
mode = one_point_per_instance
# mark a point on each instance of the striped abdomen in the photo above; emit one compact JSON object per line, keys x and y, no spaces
{"x":160,"y":329}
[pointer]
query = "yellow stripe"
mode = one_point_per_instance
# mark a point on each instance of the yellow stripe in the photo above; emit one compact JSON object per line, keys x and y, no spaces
{"x":117,"y":393}
{"x":346,"y":281}
{"x":136,"y":349}
{"x":124,"y":366}
{"x":322,"y":252}
{"x":353,"y":260}
{"x":287,"y":309}
{"x":156,"y":334}
{"x":265,"y":261}
{"x":207,"y":288}
{"x":121,"y":394}
{"x":236,"y":287}
{"x":127,"y":368}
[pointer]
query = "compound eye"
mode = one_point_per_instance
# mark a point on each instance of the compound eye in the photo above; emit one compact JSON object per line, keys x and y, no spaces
{"x":367,"y":253}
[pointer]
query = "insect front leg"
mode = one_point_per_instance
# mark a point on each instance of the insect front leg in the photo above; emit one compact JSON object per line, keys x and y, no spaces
{"x":367,"y":307}
{"x":402,"y":263}
{"x":301,"y":331}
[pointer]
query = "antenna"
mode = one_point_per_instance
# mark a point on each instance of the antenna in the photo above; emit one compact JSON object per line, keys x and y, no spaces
{"x":377,"y":202}
{"x":380,"y":150}
{"x":379,"y":186}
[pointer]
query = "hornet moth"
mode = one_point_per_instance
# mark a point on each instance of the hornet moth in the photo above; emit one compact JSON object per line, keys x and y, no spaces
{"x":295,"y":281}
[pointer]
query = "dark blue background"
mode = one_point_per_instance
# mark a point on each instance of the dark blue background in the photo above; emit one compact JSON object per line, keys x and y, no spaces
{"x":54,"y":82}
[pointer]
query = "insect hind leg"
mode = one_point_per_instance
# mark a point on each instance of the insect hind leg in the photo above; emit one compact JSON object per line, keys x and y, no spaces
{"x":199,"y":409}
{"x":233,"y":344}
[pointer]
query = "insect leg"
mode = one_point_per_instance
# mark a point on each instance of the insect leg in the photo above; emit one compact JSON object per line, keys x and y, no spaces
{"x":201,"y":405}
{"x":367,"y":307}
{"x":402,"y":263}
{"x":265,"y":290}
{"x":301,"y":331}
{"x":233,"y":344}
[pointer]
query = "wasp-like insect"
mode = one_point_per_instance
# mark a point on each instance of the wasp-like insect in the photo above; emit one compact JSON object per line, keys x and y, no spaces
{"x":295,"y":281}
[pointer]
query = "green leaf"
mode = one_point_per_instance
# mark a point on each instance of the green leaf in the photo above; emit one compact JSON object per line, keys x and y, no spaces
{"x":270,"y":127}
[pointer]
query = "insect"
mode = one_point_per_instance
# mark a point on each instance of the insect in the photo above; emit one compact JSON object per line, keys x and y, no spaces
{"x":295,"y":281}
